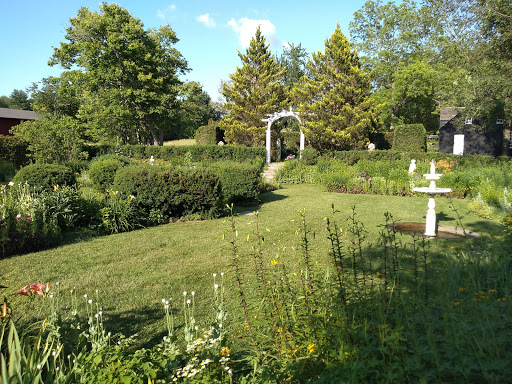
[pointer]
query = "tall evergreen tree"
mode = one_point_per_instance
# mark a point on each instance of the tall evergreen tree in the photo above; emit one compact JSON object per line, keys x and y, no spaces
{"x":334,"y":101}
{"x":254,"y":91}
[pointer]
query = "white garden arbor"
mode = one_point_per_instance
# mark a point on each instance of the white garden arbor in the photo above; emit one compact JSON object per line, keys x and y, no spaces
{"x":272,"y":118}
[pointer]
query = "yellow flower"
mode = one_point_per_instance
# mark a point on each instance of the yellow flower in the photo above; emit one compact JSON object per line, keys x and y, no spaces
{"x":379,"y":275}
{"x":311,"y":348}
{"x":225,"y":351}
{"x":273,"y":262}
{"x":461,"y":289}
{"x":456,"y":303}
{"x":280,"y":329}
{"x":492,"y":290}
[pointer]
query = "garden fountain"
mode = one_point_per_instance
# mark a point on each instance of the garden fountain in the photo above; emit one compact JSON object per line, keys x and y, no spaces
{"x":430,"y":229}
{"x":431,"y":191}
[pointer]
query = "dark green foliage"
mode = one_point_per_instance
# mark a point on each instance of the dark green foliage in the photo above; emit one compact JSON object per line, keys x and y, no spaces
{"x":209,"y":134}
{"x":102,"y":172}
{"x":291,"y":140}
{"x":98,"y":150}
{"x":309,"y":156}
{"x":410,"y":137}
{"x":77,"y":166}
{"x":14,"y":150}
{"x":240,"y":182}
{"x":174,"y":192}
{"x":197,"y":152}
{"x":111,"y":156}
{"x":7,"y":171}
{"x":45,"y":176}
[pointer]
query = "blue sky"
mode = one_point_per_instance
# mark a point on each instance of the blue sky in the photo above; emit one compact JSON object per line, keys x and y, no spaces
{"x":210,"y":32}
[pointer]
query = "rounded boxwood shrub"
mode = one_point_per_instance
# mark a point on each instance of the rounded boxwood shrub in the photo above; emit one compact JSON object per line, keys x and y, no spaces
{"x":240,"y":182}
{"x":102,"y":172}
{"x":174,"y":192}
{"x":44,"y":176}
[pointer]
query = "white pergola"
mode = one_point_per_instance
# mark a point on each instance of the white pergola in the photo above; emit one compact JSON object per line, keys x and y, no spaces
{"x":272,"y":118}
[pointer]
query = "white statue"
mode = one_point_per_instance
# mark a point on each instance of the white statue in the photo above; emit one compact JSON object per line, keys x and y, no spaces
{"x":371,"y":147}
{"x":221,"y":143}
{"x":412,"y":166}
{"x":152,"y":160}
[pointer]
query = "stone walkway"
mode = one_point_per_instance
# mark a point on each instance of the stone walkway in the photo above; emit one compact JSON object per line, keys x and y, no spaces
{"x":271,"y":170}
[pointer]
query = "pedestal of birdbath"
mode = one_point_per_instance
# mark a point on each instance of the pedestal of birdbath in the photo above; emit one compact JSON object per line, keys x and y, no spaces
{"x":431,"y":191}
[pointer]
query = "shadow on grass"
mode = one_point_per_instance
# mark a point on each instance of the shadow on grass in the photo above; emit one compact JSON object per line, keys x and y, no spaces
{"x":132,"y":322}
{"x":269,"y":197}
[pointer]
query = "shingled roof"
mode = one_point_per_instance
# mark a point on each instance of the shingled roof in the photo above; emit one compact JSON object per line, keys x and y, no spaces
{"x":7,"y":113}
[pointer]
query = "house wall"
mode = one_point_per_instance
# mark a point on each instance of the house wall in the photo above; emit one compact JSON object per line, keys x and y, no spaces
{"x":7,"y":124}
{"x":488,"y":142}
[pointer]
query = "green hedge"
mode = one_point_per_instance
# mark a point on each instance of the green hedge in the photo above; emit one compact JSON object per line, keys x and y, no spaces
{"x":410,"y":137}
{"x":173,"y":192}
{"x":209,"y":134}
{"x":44,"y":176}
{"x":240,"y":182}
{"x":176,"y":153}
{"x":353,"y":157}
{"x":13,"y":150}
{"x":102,"y":172}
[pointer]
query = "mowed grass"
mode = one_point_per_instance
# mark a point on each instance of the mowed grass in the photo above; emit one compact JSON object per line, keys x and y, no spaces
{"x":181,"y":142}
{"x":134,"y":271}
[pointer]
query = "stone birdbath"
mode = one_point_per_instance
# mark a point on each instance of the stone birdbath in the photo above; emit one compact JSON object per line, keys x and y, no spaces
{"x":431,"y":191}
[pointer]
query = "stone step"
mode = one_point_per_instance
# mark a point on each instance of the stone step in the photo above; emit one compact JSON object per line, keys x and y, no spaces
{"x":271,"y":170}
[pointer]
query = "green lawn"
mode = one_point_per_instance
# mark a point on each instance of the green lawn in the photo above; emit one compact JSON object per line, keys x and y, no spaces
{"x":181,"y":142}
{"x":134,"y":271}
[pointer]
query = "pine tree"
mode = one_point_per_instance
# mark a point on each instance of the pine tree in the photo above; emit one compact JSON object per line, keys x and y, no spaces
{"x":333,"y":101}
{"x":254,"y":91}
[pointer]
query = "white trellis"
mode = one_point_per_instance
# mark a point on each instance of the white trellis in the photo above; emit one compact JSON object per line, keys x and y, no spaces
{"x":272,"y":118}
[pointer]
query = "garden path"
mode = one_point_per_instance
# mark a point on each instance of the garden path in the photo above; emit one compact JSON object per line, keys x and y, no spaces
{"x":271,"y":170}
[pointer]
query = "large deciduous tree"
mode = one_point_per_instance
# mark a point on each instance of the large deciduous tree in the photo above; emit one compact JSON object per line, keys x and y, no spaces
{"x":130,"y":74}
{"x":393,"y":41}
{"x":254,"y":91}
{"x":334,"y":100}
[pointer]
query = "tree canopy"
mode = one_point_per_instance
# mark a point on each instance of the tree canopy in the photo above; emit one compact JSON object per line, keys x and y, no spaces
{"x":334,"y":100}
{"x":130,"y":75}
{"x":254,"y":91}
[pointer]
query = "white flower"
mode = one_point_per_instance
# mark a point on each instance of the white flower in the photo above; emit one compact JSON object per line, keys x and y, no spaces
{"x":193,"y":293}
{"x":96,"y":315}
{"x":222,"y":273}
{"x":51,"y":296}
{"x":85,"y":296}
{"x":39,"y":366}
{"x":215,"y":286}
{"x":185,"y":293}
{"x":163,"y":301}
{"x":90,"y":301}
{"x":188,"y":301}
{"x":214,"y":275}
{"x":11,"y":184}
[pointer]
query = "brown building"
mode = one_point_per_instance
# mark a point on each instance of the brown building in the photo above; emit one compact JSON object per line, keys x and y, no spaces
{"x":11,"y":117}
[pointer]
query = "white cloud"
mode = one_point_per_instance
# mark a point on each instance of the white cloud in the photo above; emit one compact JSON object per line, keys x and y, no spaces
{"x":166,"y":12}
{"x":246,"y":29}
{"x":206,"y":20}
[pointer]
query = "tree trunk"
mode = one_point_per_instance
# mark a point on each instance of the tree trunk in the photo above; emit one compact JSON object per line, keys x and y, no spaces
{"x":151,"y":128}
{"x":507,"y":124}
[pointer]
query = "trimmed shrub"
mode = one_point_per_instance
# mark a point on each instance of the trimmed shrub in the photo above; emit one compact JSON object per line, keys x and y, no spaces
{"x":240,"y":182}
{"x":174,"y":192}
{"x":410,"y":137}
{"x":102,"y":172}
{"x":45,"y":176}
{"x":209,"y":134}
